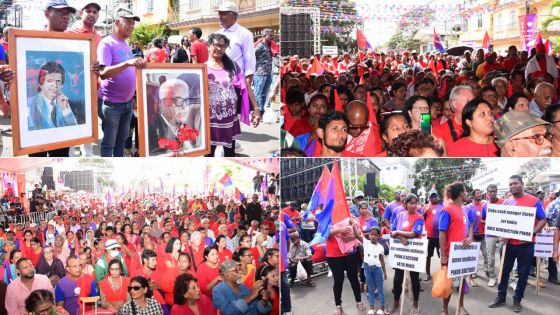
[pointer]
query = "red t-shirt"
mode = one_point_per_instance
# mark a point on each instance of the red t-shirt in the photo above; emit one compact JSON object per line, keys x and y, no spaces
{"x":225,"y":255}
{"x":205,"y":275}
{"x":454,"y":220}
{"x":442,"y":131}
{"x":464,"y":147}
{"x":431,"y":220}
{"x":200,"y":50}
{"x":156,"y":55}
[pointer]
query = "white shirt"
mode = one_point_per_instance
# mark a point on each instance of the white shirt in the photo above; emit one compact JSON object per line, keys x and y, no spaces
{"x":372,"y":253}
{"x":241,"y":48}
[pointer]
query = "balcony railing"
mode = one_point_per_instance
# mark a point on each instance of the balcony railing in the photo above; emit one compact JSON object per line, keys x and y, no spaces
{"x":198,"y":10}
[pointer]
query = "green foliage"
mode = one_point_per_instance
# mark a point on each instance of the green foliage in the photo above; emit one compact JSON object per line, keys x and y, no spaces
{"x":440,"y":172}
{"x":554,"y":17}
{"x":403,"y":41}
{"x":144,"y":33}
{"x":386,"y":192}
{"x":532,"y":168}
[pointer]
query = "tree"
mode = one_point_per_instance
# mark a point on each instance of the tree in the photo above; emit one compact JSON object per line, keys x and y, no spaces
{"x":408,"y":24}
{"x":144,"y":33}
{"x":387,"y":192}
{"x":440,"y":172}
{"x":531,"y":169}
{"x":551,"y":25}
{"x":403,"y":41}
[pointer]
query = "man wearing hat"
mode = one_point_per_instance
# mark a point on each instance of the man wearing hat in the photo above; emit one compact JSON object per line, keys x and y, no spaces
{"x":522,"y":134}
{"x":541,"y":63}
{"x":112,"y":251}
{"x":241,"y":49}
{"x":89,"y":13}
{"x":118,"y":83}
{"x":355,"y":206}
{"x":488,"y":65}
{"x":230,"y":294}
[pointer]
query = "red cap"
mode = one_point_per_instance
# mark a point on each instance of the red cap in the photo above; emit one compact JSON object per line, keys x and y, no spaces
{"x":487,"y":55}
{"x":406,"y":53}
{"x":221,"y":215}
{"x":237,"y":216}
{"x":540,"y":48}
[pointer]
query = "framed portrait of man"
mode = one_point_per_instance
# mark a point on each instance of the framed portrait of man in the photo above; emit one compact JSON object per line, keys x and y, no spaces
{"x":173,"y":110}
{"x":54,"y":98}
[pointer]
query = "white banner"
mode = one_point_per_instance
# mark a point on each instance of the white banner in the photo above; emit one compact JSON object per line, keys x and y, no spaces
{"x":463,"y":260}
{"x":330,"y":50}
{"x":544,"y":243}
{"x":512,"y":222}
{"x":408,"y":257}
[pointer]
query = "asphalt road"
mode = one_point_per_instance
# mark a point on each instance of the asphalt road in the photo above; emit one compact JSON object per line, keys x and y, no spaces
{"x":320,"y":300}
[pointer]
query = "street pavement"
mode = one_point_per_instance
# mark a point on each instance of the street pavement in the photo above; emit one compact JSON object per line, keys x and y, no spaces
{"x":319,"y":300}
{"x":263,"y":141}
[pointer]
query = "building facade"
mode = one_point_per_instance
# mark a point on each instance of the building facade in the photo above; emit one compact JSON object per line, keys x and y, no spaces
{"x":299,"y":176}
{"x":254,"y":15}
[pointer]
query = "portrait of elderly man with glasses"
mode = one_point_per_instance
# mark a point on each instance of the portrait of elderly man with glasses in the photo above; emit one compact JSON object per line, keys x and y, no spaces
{"x":522,"y":134}
{"x":176,"y":108}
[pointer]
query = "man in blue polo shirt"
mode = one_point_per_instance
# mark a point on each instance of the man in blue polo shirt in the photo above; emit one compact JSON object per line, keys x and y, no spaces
{"x":74,"y":286}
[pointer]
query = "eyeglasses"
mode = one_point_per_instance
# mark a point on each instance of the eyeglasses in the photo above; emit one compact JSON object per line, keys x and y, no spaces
{"x":115,"y":269}
{"x":135,"y":288}
{"x":424,"y":109}
{"x":556,"y":121}
{"x":75,"y":266}
{"x":538,"y":139}
{"x":177,"y":101}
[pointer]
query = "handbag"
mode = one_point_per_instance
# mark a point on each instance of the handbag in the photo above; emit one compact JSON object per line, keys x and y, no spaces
{"x":442,"y":284}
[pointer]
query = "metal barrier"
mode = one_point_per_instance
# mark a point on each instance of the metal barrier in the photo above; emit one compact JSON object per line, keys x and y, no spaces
{"x":34,"y":217}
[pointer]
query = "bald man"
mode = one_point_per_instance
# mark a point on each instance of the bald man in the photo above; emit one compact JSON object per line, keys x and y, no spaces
{"x":363,"y":136}
{"x":175,"y":112}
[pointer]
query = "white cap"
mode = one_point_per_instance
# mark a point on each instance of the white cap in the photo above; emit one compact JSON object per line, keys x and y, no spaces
{"x":228,"y":7}
{"x":359,"y":193}
{"x":111,"y":244}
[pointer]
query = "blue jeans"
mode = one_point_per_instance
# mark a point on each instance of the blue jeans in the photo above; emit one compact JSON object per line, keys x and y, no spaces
{"x":374,"y":279}
{"x":116,"y":126}
{"x":261,"y":84}
{"x":286,"y":301}
{"x":524,"y":255}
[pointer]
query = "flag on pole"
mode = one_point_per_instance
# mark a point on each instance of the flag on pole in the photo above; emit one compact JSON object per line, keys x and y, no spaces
{"x":362,"y":40}
{"x":108,"y":197}
{"x":437,"y":43}
{"x":319,"y":193}
{"x":337,"y":103}
{"x":226,"y":180}
{"x":161,"y":184}
{"x":239,"y":195}
{"x":316,"y":68}
{"x":336,"y":208}
{"x":486,"y":42}
{"x":548,"y":46}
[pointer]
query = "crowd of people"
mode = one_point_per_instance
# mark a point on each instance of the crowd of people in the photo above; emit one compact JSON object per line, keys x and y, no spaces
{"x":238,"y":67}
{"x":453,"y":215}
{"x":405,"y":103}
{"x":142,"y":254}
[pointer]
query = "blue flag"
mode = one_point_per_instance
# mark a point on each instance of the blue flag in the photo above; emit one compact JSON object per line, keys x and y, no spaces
{"x":437,"y":43}
{"x":324,"y":218}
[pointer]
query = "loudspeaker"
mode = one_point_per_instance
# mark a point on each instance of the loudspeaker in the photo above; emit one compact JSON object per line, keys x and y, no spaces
{"x":369,"y":187}
{"x":297,"y":38}
{"x":47,"y":178}
{"x":48,"y":171}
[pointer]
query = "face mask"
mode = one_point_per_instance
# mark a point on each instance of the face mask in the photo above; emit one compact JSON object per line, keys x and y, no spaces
{"x":263,"y":243}
{"x":239,"y":280}
{"x":114,"y":253}
{"x":181,"y":114}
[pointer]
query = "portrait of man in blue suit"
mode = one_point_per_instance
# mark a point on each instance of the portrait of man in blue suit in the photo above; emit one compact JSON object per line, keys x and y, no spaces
{"x":50,"y":108}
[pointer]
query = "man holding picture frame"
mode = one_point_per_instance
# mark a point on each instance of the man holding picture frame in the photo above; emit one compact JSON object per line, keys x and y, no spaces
{"x":118,"y":84}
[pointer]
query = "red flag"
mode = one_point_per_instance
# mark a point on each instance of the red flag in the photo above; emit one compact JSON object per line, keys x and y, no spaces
{"x":288,"y":119}
{"x":362,"y":42}
{"x":538,"y":39}
{"x":337,"y":104}
{"x":486,"y":42}
{"x":509,"y":89}
{"x":340,"y":211}
{"x":443,"y":89}
{"x":371,"y":110}
{"x":361,"y":55}
{"x":362,"y":80}
{"x":315,"y":68}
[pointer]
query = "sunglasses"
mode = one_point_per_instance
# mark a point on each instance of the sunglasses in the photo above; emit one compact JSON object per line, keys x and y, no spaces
{"x":135,"y":288}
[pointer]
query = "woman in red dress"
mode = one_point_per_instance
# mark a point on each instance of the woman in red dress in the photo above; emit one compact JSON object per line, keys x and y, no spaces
{"x":223,"y":253}
{"x":168,"y":278}
{"x":35,"y":252}
{"x":113,"y":289}
{"x":208,"y":273}
{"x":188,"y":300}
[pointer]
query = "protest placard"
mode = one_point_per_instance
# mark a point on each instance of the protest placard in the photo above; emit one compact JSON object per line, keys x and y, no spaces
{"x":544,"y":243}
{"x":513,"y":222}
{"x":330,"y":50}
{"x":463,"y":260}
{"x":410,"y":257}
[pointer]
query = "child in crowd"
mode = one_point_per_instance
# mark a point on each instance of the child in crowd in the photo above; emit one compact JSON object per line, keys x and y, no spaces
{"x":374,"y":269}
